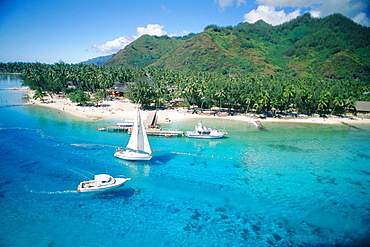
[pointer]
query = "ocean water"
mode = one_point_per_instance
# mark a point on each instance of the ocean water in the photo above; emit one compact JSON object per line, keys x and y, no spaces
{"x":292,"y":185}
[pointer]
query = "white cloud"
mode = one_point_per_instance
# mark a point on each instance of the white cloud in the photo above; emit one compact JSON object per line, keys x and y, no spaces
{"x":183,"y":33}
{"x":227,"y":3}
{"x":321,"y":8}
{"x":111,"y":47}
{"x":291,"y":3}
{"x":348,"y":8}
{"x":362,"y":19}
{"x":315,"y":13}
{"x":151,"y":29}
{"x":164,"y":9}
{"x":114,"y":46}
{"x":270,"y":15}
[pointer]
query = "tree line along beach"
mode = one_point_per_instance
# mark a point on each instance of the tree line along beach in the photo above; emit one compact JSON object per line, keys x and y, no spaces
{"x":122,"y":108}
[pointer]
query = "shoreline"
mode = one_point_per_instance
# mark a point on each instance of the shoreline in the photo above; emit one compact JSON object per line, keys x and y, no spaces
{"x":124,"y":110}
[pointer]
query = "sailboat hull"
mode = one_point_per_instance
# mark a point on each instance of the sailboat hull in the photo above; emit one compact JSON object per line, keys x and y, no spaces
{"x":138,"y":147}
{"x":131,"y":155}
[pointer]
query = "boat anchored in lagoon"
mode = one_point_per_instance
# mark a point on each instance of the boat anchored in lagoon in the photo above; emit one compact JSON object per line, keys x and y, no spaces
{"x":138,"y":147}
{"x":205,"y":133}
{"x":101,"y":182}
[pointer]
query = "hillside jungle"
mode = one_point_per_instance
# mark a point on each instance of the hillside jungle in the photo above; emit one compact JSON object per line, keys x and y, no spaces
{"x":155,"y":87}
{"x":333,"y":47}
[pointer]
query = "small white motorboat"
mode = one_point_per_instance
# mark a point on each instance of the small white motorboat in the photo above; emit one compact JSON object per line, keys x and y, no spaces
{"x":101,"y":182}
{"x":205,"y":133}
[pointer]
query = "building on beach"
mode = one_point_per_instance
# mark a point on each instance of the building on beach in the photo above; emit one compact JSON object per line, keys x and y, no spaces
{"x":363,"y":106}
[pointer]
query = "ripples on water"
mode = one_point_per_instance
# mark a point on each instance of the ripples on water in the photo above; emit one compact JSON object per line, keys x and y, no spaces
{"x":292,"y":185}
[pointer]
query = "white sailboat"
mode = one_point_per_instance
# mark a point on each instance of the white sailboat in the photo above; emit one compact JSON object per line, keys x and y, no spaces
{"x":138,"y":147}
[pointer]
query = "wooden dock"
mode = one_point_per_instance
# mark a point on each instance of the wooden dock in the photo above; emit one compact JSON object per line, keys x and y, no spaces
{"x":162,"y":132}
{"x":151,"y":130}
{"x":151,"y":119}
{"x":117,"y":128}
{"x":351,"y":126}
{"x":258,"y":125}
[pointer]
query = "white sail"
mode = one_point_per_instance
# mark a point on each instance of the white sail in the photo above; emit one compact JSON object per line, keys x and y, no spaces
{"x":139,"y":140}
{"x":144,"y":142}
{"x":133,"y":141}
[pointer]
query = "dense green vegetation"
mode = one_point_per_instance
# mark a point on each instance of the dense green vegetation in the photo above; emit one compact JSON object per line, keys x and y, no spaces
{"x":334,"y":47}
{"x":146,"y":50}
{"x":307,"y":65}
{"x":157,"y":87}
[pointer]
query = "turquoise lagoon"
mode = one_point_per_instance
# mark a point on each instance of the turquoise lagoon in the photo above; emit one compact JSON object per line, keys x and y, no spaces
{"x":292,"y":185}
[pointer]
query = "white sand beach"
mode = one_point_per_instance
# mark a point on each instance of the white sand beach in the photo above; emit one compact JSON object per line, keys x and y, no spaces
{"x":108,"y":109}
{"x":124,"y":110}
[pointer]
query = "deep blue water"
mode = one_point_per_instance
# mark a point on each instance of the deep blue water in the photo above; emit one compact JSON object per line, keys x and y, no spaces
{"x":292,"y":185}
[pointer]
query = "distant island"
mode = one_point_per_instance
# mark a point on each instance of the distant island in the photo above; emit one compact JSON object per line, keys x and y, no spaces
{"x":98,"y":60}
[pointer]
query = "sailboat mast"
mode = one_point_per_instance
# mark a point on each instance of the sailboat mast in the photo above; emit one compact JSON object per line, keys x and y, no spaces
{"x":138,"y":119}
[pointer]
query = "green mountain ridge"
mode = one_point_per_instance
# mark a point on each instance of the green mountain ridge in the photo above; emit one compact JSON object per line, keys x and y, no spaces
{"x":145,"y":50}
{"x":98,"y":60}
{"x":334,"y":47}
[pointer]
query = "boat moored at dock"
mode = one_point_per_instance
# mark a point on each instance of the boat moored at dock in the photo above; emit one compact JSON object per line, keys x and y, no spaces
{"x":204,"y":132}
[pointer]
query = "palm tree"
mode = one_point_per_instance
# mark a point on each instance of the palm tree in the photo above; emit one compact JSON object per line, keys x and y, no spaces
{"x":288,"y":93}
{"x":39,"y":94}
{"x":263,"y":101}
{"x":338,"y":104}
{"x":249,"y":101}
{"x":323,"y":103}
{"x":350,"y":104}
{"x":79,"y":96}
{"x":221,"y":96}
{"x":99,"y":95}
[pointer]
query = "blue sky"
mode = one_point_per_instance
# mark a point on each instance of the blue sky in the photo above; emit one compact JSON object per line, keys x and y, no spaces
{"x":49,"y":31}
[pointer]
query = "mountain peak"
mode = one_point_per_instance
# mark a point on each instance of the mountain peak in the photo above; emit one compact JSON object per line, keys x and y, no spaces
{"x":301,"y":47}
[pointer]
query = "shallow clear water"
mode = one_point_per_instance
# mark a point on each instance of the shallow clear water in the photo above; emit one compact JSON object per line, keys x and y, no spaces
{"x":294,"y":184}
